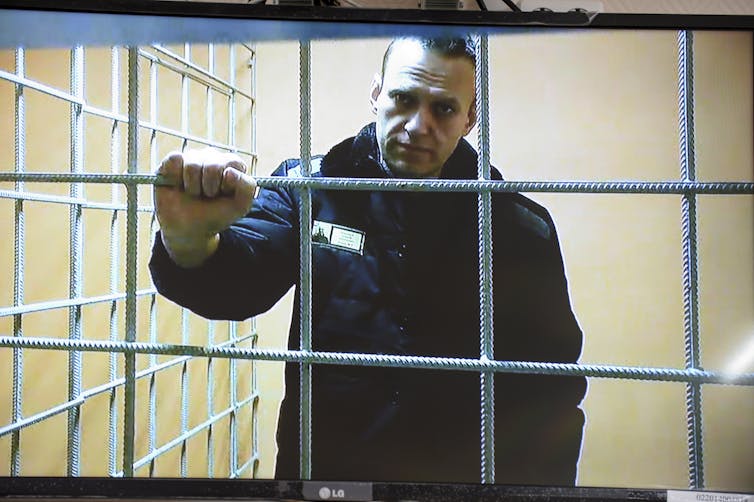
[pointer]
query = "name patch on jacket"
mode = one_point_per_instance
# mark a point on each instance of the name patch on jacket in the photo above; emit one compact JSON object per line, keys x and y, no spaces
{"x":338,"y":236}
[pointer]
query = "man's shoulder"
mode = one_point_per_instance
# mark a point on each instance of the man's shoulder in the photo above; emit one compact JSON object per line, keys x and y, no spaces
{"x":526,"y":214}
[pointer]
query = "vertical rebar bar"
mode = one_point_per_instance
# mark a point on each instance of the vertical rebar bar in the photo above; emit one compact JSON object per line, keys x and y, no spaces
{"x":184,"y":319}
{"x":690,"y":262}
{"x":484,"y":212}
{"x":184,"y":392}
{"x":305,"y":272}
{"x":114,"y":254}
{"x":210,"y":402}
{"x":253,"y":327}
{"x":153,"y":117}
{"x":19,"y":259}
{"x":76,"y":252}
{"x":233,"y":398}
{"x":129,"y":414}
{"x":211,"y":328}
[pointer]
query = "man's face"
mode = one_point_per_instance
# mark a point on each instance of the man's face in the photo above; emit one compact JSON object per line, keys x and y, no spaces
{"x":423,"y":104}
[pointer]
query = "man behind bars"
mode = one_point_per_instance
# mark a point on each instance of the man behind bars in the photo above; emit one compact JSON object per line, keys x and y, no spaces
{"x":392,"y":273}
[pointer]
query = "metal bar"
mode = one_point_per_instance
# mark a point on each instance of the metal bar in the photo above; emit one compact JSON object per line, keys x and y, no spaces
{"x":194,"y":139}
{"x":484,"y":217}
{"x":391,"y":361}
{"x":59,"y":304}
{"x":407,"y":185}
{"x":129,"y":412}
{"x":211,"y":326}
{"x":57,"y":199}
{"x":114,"y":258}
{"x":254,"y":413}
{"x":232,"y":450}
{"x":211,"y":402}
{"x":253,"y":84}
{"x":62,"y":95}
{"x":185,"y":436}
{"x":88,"y":394}
{"x":33,"y":84}
{"x":231,"y":86}
{"x":183,"y":72}
{"x":76,"y":253}
{"x":249,"y":464}
{"x":254,"y":385}
{"x":184,"y":313}
{"x":690,"y":263}
{"x":184,"y":391}
{"x":233,"y":428}
{"x":152,"y":432}
{"x":19,"y":259}
{"x":305,"y":265}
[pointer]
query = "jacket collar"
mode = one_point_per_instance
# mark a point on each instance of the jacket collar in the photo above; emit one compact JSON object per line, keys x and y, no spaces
{"x":358,"y":157}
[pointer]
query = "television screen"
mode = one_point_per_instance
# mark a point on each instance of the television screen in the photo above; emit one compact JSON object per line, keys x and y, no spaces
{"x":421,"y":248}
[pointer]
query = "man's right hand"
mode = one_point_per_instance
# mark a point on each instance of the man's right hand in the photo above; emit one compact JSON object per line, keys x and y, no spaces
{"x":208,"y":191}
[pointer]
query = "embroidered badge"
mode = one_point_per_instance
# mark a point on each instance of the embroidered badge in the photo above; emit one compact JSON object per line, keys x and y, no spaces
{"x":338,"y":236}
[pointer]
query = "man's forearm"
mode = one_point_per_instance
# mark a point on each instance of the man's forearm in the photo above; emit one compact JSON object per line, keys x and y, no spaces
{"x":190,"y":253}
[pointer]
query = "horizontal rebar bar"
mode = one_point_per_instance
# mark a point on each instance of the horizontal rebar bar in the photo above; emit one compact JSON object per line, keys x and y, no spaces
{"x":386,"y":360}
{"x":89,"y":393}
{"x":249,"y":463}
{"x":58,"y":304}
{"x":38,"y":86}
{"x":59,"y":199}
{"x":219,"y":84}
{"x":183,"y":72}
{"x":616,"y":187}
{"x":107,"y":114}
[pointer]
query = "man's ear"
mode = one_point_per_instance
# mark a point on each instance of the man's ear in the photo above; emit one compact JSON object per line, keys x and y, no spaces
{"x":374,"y":92}
{"x":471,"y":118}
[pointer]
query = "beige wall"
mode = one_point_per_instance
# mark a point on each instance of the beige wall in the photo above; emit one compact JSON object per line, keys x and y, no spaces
{"x":595,"y":106}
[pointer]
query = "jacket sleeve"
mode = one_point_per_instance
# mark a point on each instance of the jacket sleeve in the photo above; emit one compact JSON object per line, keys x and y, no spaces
{"x":255,"y":264}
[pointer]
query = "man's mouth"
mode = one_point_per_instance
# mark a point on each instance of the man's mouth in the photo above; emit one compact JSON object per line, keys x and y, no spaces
{"x":410,"y":147}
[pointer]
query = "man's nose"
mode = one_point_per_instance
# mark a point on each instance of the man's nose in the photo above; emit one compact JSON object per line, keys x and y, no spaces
{"x":420,"y":122}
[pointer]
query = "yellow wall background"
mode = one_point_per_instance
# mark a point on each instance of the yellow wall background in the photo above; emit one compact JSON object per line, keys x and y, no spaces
{"x":597,"y":105}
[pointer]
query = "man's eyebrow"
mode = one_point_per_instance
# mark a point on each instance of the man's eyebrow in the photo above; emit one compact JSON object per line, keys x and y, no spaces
{"x":411,"y":89}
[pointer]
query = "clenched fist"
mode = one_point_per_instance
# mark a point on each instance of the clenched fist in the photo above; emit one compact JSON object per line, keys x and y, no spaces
{"x":208,"y":191}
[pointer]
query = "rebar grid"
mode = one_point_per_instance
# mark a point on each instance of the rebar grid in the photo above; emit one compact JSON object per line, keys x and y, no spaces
{"x":92,"y":110}
{"x":110,"y":386}
{"x":77,"y":201}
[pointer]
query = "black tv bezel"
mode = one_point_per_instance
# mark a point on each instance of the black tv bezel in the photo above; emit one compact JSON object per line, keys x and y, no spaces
{"x":24,"y":487}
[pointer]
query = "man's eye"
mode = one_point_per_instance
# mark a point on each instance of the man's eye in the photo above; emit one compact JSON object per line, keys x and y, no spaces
{"x":444,"y":109}
{"x":402,"y":98}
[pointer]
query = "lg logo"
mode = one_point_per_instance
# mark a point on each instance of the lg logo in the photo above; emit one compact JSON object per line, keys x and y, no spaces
{"x":325,"y":493}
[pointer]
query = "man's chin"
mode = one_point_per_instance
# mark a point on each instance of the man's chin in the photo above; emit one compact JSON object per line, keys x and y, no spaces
{"x":406,"y":170}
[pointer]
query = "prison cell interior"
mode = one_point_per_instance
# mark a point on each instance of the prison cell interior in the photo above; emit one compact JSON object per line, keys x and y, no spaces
{"x":682,"y":311}
{"x":189,"y":406}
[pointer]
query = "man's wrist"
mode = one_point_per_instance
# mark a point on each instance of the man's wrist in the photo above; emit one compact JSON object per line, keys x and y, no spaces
{"x":190,"y":252}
